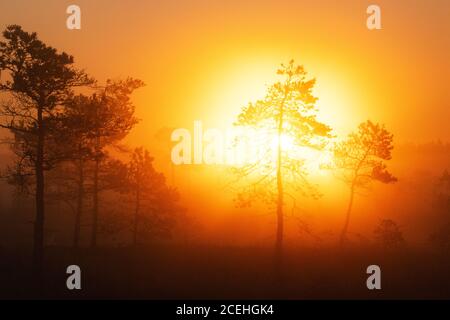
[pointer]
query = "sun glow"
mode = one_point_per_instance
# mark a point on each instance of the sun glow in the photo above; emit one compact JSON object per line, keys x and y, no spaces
{"x":286,"y":141}
{"x":234,"y":83}
{"x":314,"y":159}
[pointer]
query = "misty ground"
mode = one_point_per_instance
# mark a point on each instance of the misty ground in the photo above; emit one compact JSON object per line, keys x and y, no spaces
{"x":178,"y":272}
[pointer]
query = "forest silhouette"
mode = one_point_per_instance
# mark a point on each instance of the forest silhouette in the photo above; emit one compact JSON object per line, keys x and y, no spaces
{"x":134,"y":235}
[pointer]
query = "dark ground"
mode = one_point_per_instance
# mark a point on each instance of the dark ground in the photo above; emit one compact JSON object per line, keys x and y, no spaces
{"x":169,"y":272}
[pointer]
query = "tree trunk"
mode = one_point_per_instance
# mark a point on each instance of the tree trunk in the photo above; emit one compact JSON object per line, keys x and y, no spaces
{"x":95,"y":191}
{"x":347,"y":218}
{"x":280,"y":217}
{"x":80,"y":198}
{"x":95,"y":205}
{"x":280,"y":220}
{"x":136,"y":217}
{"x":38,"y":244}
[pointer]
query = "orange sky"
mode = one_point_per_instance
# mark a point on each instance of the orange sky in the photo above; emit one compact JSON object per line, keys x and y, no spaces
{"x":206,"y":59}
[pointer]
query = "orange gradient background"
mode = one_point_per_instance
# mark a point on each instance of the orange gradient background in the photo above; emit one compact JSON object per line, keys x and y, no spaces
{"x":205,"y":60}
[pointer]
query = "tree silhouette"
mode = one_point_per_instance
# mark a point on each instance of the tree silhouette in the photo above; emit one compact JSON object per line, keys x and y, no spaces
{"x":388,"y":234}
{"x":79,"y":122}
{"x":441,"y":237}
{"x":441,"y":192}
{"x":359,"y":161}
{"x":163,"y":137}
{"x":287,"y":113}
{"x":154,"y":202}
{"x":113,"y":120}
{"x":40,"y":80}
{"x":62,"y":187}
